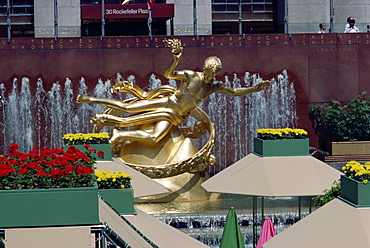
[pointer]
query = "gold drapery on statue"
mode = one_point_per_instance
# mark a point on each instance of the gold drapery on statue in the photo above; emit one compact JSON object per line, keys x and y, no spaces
{"x":195,"y":163}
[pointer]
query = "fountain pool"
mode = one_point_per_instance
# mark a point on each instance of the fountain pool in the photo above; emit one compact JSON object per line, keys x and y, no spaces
{"x":205,"y":220}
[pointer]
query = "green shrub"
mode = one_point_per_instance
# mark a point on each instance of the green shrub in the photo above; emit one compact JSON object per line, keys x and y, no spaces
{"x":342,"y":122}
{"x":329,"y":195}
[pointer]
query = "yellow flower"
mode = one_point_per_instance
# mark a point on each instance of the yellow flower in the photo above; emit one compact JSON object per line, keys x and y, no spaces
{"x":365,"y":181}
{"x":282,"y":132}
{"x":87,"y":136}
{"x":112,"y":179}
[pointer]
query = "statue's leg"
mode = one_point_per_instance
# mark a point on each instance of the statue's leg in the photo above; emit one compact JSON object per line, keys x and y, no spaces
{"x":107,"y":102}
{"x":130,"y":107}
{"x":159,"y":131}
{"x":108,"y":120}
{"x":146,"y":105}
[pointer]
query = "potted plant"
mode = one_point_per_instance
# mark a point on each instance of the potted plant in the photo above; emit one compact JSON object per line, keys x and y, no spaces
{"x":97,"y":141}
{"x":281,"y":142}
{"x":115,"y":188}
{"x":355,"y":186}
{"x":343,"y":129}
{"x":47,"y":187}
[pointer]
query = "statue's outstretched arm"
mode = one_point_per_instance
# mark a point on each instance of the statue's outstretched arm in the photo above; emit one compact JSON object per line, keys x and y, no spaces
{"x":176,"y":49}
{"x":244,"y":91}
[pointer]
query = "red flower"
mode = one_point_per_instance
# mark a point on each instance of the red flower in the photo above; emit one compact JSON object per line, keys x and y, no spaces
{"x":34,"y":154}
{"x":56,"y":173}
{"x":33,"y":165}
{"x":86,"y":146}
{"x":91,"y":150}
{"x":84,"y":170}
{"x":73,"y":165}
{"x":58,"y":151}
{"x":101,"y":154}
{"x":72,"y":149}
{"x":13,"y":162}
{"x":13,"y":147}
{"x":5,"y":169}
{"x":66,"y":171}
{"x":23,"y":171}
{"x":23,"y":159}
{"x":41,"y":173}
{"x":3,"y":159}
{"x":62,"y":161}
{"x":36,"y":148}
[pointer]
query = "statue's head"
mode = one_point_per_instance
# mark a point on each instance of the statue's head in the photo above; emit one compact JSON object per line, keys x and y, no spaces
{"x":213,"y":63}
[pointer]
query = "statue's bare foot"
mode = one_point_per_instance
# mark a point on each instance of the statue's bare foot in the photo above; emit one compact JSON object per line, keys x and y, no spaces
{"x":82,"y":99}
{"x":115,"y":136}
{"x":98,"y":119}
{"x":122,"y":86}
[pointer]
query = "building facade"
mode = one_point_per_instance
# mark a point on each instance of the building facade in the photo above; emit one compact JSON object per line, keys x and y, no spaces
{"x":79,"y":18}
{"x":304,"y":16}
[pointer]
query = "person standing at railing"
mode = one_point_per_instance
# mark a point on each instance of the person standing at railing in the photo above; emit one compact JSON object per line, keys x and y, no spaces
{"x":350,"y":27}
{"x":322,"y":27}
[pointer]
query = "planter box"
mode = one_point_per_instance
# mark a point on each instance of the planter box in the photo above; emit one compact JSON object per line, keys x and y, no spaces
{"x":355,"y":193}
{"x":122,"y":200}
{"x":49,"y":207}
{"x":349,"y":148}
{"x":106,"y":148}
{"x":287,"y":147}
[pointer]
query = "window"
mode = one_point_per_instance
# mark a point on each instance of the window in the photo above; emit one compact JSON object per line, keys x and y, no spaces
{"x":21,"y":16}
{"x":255,"y":14}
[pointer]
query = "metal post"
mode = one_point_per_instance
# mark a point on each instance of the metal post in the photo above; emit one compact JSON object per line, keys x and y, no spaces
{"x":102,"y":18}
{"x":299,"y":208}
{"x":195,"y":17}
{"x":254,"y":203}
{"x":262,"y":208}
{"x":150,"y":21}
{"x":331,"y":17}
{"x":240,"y":18}
{"x":172,"y":26}
{"x":8,"y":22}
{"x":286,"y":17}
{"x":55,"y":19}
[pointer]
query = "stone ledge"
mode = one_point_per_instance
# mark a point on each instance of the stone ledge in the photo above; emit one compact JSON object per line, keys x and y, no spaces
{"x":344,"y":158}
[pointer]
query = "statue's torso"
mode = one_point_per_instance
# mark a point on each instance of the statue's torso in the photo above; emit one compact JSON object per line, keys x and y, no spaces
{"x":194,"y":91}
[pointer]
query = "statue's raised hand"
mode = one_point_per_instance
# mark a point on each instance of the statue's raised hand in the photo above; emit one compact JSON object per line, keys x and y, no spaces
{"x":175,"y":45}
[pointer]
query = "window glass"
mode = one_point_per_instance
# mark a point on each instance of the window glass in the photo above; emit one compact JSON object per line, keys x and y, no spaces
{"x":233,"y":8}
{"x":219,"y":7}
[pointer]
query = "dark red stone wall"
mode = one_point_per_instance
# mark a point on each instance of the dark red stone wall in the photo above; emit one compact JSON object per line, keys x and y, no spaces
{"x":322,"y":66}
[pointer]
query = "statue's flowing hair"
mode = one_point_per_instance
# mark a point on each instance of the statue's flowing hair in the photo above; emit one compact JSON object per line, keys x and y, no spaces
{"x":213,"y":63}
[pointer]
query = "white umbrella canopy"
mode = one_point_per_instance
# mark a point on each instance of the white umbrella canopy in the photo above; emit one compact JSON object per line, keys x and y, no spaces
{"x":274,"y":177}
{"x":336,"y":224}
{"x":142,"y":184}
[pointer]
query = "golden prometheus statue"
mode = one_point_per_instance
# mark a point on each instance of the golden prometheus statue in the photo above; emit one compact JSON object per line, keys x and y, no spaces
{"x":157,"y":145}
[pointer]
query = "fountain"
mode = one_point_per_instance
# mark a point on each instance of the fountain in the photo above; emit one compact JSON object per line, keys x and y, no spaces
{"x":42,"y":116}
